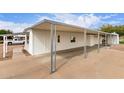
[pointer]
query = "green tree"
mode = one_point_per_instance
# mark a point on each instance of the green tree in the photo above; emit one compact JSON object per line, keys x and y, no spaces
{"x":3,"y":31}
{"x":110,"y":28}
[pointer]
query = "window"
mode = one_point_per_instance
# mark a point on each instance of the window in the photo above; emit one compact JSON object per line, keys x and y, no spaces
{"x":16,"y":39}
{"x":73,"y":39}
{"x":27,"y":36}
{"x":19,"y":39}
{"x":58,"y":39}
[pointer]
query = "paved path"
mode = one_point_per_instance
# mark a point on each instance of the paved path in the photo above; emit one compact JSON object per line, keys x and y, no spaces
{"x":18,"y":53}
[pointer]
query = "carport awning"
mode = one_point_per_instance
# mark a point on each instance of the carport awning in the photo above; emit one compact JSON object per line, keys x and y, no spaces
{"x":59,"y":27}
{"x":46,"y":26}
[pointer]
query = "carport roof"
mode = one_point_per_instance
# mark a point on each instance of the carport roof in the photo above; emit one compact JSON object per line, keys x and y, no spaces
{"x":46,"y":25}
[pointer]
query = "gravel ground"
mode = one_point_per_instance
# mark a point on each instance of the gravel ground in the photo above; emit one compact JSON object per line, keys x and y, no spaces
{"x":108,"y":63}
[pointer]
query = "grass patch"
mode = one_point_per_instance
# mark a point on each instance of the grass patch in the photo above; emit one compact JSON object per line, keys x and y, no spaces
{"x":121,"y":42}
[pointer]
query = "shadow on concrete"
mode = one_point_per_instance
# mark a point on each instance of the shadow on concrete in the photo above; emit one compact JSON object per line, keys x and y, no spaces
{"x":69,"y":54}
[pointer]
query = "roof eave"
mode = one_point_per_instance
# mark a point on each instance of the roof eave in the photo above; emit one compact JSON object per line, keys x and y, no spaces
{"x":59,"y":23}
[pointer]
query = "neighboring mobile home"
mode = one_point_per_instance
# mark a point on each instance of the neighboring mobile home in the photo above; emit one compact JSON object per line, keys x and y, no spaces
{"x":66,"y":36}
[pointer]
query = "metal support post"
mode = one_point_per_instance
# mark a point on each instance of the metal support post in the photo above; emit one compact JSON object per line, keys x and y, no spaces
{"x":85,"y":44}
{"x":6,"y":44}
{"x":105,"y":40}
{"x":4,"y":49}
{"x":53,"y":48}
{"x":98,"y":42}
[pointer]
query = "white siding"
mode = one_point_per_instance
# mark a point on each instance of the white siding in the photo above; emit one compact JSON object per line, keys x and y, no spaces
{"x":92,"y":40}
{"x":65,"y":40}
{"x":115,"y":39}
{"x":101,"y":38}
{"x":31,"y":42}
{"x":39,"y":42}
{"x":29,"y":46}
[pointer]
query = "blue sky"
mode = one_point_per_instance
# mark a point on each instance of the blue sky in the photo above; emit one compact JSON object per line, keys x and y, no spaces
{"x":17,"y":22}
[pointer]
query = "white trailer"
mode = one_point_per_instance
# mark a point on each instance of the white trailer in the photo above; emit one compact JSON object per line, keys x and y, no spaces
{"x":50,"y":36}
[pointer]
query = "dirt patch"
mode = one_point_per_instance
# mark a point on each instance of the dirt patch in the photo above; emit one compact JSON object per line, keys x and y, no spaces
{"x":108,"y":63}
{"x":118,"y":47}
{"x":9,"y":53}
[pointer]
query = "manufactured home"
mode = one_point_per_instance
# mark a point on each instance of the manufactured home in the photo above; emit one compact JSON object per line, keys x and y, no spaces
{"x":66,"y":37}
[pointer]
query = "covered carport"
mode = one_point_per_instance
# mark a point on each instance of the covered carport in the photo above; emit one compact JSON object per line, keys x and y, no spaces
{"x":53,"y":27}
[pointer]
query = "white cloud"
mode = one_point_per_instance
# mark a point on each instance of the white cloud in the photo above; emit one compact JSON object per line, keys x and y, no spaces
{"x":84,"y":20}
{"x":121,"y":19}
{"x":109,"y":16}
{"x":15,"y":27}
{"x":114,"y":22}
{"x":39,"y":18}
